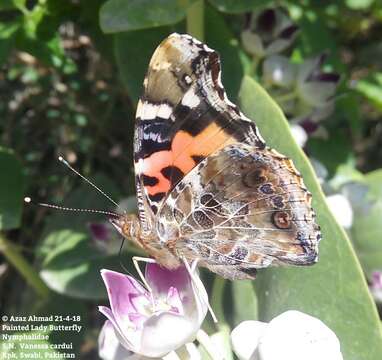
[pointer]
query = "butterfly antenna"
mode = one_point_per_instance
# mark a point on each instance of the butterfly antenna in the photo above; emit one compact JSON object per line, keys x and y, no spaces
{"x":28,"y":200}
{"x":62,"y":160}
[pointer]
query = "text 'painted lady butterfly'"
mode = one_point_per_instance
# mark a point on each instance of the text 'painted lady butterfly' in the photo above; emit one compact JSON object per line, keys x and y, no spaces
{"x":208,"y":187}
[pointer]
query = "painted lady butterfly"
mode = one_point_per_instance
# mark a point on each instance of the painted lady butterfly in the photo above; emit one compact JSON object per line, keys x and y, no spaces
{"x":208,"y":188}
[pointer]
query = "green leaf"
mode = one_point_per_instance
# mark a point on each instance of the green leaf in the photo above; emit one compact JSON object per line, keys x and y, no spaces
{"x":73,"y":268}
{"x":12,"y":4}
{"x":11,"y":190}
{"x":127,"y":15}
{"x":359,"y":4}
{"x":238,"y":6}
{"x":371,"y":89}
{"x":133,"y":51}
{"x":367,"y":226}
{"x":7,"y":36}
{"x":334,"y":290}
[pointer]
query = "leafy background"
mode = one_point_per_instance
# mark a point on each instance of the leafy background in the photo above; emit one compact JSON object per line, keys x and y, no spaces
{"x":71,"y":74}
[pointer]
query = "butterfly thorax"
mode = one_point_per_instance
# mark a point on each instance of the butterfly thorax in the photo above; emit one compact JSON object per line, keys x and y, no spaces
{"x":128,"y":225}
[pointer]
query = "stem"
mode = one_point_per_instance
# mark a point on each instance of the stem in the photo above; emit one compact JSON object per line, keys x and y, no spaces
{"x":254,"y":65}
{"x":222,"y":326}
{"x":286,"y":97}
{"x":217,"y":297}
{"x":195,"y":20}
{"x":14,"y":257}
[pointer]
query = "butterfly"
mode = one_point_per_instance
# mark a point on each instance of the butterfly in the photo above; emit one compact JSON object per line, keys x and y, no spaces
{"x":208,"y":188}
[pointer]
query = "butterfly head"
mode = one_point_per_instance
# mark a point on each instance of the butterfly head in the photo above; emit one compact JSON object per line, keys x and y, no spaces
{"x":127,"y":225}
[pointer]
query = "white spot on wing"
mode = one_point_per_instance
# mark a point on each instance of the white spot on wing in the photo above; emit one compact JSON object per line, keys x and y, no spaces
{"x":165,"y":111}
{"x":149,"y":111}
{"x":190,"y":99}
{"x":139,"y":109}
{"x":188,"y":80}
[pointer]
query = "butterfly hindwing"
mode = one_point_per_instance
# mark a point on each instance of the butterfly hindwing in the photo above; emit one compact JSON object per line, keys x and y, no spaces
{"x":241,"y":209}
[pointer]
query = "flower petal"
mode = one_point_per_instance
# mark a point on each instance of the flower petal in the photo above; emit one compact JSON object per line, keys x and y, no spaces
{"x":299,"y":134}
{"x":310,"y":67}
{"x":100,"y":231}
{"x":245,"y":338}
{"x":277,"y":70}
{"x":126,"y":295}
{"x":316,"y":93}
{"x":294,"y":335}
{"x":173,"y":300}
{"x":161,"y":279}
{"x":166,"y":332}
{"x":341,"y":209}
{"x":252,"y":43}
{"x":117,"y":330}
{"x":109,"y":347}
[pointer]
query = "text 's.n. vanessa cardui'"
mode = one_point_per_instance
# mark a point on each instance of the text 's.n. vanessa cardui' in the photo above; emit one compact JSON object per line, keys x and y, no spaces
{"x":208,"y":188}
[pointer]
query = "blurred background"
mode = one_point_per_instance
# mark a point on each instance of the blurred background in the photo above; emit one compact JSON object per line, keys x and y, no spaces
{"x":71,"y":72}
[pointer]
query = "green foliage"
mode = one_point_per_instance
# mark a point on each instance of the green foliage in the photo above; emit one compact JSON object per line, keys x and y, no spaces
{"x":332,"y":290}
{"x":367,"y":228}
{"x":11,"y":190}
{"x":359,"y":4}
{"x":127,"y":15}
{"x":238,"y":6}
{"x":371,"y":88}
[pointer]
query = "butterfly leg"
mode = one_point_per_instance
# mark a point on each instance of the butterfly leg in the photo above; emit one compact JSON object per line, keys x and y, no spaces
{"x":136,"y":260}
{"x":198,"y":284}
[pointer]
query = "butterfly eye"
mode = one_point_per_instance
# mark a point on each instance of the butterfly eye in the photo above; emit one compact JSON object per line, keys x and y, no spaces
{"x":281,"y":220}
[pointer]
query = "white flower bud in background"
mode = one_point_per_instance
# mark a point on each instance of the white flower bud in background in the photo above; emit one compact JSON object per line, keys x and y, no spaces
{"x":292,"y":335}
{"x":341,"y":208}
{"x":299,"y":134}
{"x":279,"y":71}
{"x":244,"y":347}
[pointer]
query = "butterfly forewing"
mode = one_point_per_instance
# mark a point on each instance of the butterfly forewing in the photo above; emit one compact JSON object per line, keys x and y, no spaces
{"x":183,"y":116}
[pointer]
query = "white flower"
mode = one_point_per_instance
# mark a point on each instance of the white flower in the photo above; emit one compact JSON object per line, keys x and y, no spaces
{"x":299,"y":134}
{"x":109,"y":347}
{"x":268,"y":32}
{"x":341,"y":209}
{"x":316,"y":88}
{"x":279,"y":71}
{"x":154,"y":324}
{"x":245,"y":338}
{"x":292,"y":335}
